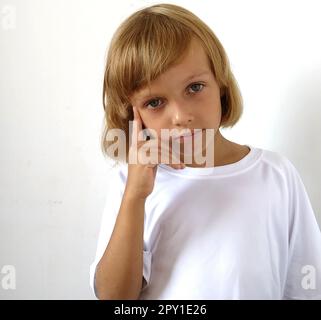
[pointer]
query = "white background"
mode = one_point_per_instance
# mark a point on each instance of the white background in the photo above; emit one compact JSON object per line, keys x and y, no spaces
{"x":53,"y":177}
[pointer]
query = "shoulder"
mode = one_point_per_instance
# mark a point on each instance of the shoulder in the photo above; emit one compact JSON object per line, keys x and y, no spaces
{"x":117,"y":174}
{"x":278,"y":162}
{"x":281,"y":168}
{"x":119,"y":169}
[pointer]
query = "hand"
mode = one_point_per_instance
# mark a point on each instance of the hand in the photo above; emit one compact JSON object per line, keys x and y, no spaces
{"x":141,"y":177}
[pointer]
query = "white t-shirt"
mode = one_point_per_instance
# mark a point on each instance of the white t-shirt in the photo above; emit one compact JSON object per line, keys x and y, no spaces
{"x":240,"y":231}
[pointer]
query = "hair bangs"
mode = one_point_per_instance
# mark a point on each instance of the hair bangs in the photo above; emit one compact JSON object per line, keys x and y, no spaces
{"x":144,"y":54}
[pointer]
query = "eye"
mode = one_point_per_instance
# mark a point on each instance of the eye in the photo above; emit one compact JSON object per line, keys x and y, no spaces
{"x":196,"y":87}
{"x":153,"y":103}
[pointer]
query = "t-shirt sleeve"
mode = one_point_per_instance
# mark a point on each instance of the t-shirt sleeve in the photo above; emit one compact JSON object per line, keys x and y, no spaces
{"x":303,"y":279}
{"x":115,"y":191}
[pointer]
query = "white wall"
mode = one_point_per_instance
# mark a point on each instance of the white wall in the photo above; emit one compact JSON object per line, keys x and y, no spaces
{"x":53,"y":178}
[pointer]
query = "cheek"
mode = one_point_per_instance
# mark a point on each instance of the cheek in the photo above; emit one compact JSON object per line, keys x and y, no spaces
{"x":211,"y":109}
{"x":211,"y":106}
{"x":210,"y":99}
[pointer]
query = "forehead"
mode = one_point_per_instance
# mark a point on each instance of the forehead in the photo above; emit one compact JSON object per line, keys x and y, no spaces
{"x":192,"y":65}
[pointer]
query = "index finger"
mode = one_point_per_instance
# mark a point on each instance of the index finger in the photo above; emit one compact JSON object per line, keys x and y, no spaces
{"x":137,"y":125}
{"x":137,"y":118}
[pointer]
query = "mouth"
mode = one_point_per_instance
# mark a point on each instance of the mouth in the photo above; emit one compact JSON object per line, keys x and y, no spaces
{"x":189,"y":135}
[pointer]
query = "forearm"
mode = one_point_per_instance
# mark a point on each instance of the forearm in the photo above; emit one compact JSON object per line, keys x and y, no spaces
{"x":119,"y":273}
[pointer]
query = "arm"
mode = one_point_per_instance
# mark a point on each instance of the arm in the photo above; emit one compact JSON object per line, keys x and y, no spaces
{"x":119,"y":272}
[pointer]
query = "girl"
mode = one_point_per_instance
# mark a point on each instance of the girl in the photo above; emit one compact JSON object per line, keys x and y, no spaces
{"x":242,"y":228}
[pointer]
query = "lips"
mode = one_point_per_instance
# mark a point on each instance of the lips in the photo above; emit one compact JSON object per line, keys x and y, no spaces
{"x":188,"y":134}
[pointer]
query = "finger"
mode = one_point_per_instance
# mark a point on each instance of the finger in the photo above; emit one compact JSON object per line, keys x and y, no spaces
{"x":165,"y":152}
{"x":137,"y":126}
{"x":138,"y":119}
{"x":158,"y":151}
{"x":168,"y":152}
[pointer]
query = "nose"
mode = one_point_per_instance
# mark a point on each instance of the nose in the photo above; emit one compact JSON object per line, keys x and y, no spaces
{"x":181,"y":115}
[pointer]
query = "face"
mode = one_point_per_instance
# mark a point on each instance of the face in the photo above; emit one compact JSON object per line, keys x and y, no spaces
{"x":186,"y":96}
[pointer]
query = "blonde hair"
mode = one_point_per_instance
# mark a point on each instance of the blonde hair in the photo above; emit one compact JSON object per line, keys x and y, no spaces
{"x":144,"y":46}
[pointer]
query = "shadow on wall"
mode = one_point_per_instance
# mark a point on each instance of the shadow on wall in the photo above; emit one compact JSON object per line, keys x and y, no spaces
{"x":297,"y":131}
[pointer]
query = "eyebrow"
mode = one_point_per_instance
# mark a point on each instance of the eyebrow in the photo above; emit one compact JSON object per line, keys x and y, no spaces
{"x":193,"y":76}
{"x":196,"y":75}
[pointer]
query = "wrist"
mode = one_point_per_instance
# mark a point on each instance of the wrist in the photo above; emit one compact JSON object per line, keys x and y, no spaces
{"x":133,"y":197}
